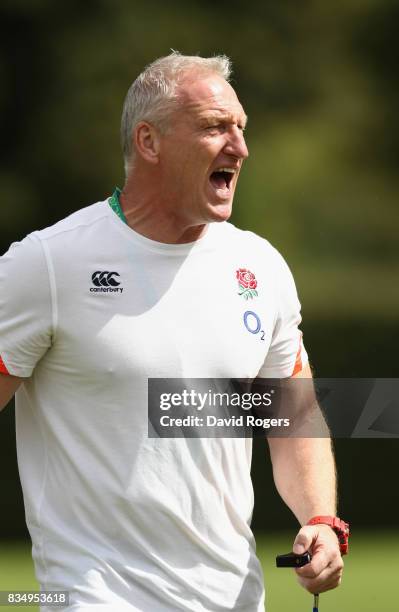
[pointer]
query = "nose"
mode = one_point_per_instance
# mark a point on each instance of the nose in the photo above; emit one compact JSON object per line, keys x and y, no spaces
{"x":236,"y":145}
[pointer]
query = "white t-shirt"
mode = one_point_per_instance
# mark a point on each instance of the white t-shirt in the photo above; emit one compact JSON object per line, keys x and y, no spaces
{"x":89,"y":310}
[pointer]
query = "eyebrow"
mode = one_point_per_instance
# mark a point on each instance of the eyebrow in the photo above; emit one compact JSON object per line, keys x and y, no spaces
{"x":222,"y":116}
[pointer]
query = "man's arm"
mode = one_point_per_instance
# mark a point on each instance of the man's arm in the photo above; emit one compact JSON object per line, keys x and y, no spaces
{"x":305,"y":477}
{"x":8,"y":386}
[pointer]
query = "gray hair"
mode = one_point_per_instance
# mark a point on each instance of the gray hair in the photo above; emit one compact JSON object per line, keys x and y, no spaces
{"x":153,"y":96}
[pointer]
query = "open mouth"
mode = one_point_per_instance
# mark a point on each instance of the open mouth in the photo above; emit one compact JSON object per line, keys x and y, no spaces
{"x":221,"y":179}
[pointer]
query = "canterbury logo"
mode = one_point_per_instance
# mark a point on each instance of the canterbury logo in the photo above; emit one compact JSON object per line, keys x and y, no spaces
{"x":105,"y":279}
{"x":105,"y":282}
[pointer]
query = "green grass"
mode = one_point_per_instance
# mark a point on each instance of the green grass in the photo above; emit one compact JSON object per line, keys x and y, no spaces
{"x":370,"y":584}
{"x":16,"y":572}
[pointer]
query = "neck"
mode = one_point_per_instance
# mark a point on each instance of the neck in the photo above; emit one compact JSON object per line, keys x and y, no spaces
{"x":149,"y":214}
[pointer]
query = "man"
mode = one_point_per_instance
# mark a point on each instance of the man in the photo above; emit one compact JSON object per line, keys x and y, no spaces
{"x":151,"y":283}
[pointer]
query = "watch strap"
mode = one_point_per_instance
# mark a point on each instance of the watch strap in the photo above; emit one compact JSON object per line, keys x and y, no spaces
{"x":338,"y":525}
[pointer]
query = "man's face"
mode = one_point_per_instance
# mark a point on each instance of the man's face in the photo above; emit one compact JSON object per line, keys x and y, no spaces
{"x":203,"y":150}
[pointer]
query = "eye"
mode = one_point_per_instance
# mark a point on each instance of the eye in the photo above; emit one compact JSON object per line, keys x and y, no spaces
{"x":216,"y":128}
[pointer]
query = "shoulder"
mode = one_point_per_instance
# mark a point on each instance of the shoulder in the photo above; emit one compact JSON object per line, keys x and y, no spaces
{"x":78,"y":222}
{"x":255,"y":244}
{"x":72,"y":238}
{"x":29,"y":261}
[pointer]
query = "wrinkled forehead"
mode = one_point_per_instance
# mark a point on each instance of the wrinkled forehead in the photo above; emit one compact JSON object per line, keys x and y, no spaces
{"x":209,"y":95}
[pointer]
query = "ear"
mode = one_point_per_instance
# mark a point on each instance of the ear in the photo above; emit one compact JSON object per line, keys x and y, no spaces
{"x":147,"y":141}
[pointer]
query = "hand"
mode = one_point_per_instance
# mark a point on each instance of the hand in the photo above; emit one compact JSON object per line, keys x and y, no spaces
{"x":324,"y":572}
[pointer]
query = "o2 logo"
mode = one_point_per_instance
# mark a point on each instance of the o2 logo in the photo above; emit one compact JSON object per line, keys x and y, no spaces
{"x":253,"y":324}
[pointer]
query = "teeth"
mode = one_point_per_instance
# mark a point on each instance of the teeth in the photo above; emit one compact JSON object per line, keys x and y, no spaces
{"x":231,"y":170}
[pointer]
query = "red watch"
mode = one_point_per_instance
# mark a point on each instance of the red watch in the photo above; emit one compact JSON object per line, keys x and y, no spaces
{"x":339,"y":526}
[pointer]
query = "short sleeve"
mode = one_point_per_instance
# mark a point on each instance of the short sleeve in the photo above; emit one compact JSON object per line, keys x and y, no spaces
{"x":287,"y":355}
{"x":25,"y":307}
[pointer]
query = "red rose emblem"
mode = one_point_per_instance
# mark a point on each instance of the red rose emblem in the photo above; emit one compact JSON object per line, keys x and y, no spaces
{"x":246,"y":279}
